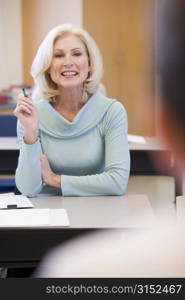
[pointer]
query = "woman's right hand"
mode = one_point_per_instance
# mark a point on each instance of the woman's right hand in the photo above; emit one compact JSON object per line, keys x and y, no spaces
{"x":26,"y":112}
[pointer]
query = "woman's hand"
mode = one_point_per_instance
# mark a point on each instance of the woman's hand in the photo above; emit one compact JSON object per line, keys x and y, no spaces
{"x":26,"y":112}
{"x":48,"y":176}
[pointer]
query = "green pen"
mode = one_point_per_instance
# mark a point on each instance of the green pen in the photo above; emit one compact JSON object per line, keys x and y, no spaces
{"x":24,"y":92}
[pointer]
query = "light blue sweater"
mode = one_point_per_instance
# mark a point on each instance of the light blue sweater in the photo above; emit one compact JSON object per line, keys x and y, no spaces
{"x":90,"y":153}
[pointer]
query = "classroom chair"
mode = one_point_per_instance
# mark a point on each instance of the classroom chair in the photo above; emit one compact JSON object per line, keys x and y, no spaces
{"x":8,"y":125}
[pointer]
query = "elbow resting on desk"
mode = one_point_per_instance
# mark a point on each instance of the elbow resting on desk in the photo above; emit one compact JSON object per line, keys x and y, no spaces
{"x":119,"y":191}
{"x":109,"y":183}
{"x":112,"y":182}
{"x":118,"y":186}
{"x":28,"y":190}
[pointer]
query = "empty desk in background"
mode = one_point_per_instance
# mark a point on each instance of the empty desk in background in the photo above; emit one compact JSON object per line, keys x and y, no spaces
{"x":144,"y":161}
{"x":26,"y":246}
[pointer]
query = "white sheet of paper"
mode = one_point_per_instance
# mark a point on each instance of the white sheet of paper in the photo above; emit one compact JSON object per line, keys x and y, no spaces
{"x":33,"y":217}
{"x":24,"y":217}
{"x":136,"y":139}
{"x":10,"y":199}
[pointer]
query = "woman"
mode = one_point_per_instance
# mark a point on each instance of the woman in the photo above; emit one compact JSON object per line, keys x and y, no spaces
{"x":74,"y":140}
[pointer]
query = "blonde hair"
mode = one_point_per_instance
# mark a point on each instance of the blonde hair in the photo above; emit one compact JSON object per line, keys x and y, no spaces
{"x":41,"y":63}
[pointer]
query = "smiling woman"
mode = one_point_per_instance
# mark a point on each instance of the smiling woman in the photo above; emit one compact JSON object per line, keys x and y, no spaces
{"x":74,"y":139}
{"x":70,"y":61}
{"x":69,"y":69}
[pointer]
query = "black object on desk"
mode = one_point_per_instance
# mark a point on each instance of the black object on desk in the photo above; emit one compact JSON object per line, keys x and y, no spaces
{"x":12,"y":206}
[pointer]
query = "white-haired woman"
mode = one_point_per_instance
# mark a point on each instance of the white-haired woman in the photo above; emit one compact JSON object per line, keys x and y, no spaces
{"x":74,"y":139}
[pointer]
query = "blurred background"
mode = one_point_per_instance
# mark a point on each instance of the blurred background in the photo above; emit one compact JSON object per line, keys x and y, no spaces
{"x":123,"y":29}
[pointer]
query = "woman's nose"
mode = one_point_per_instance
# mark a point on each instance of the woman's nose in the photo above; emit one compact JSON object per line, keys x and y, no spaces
{"x":68,"y":62}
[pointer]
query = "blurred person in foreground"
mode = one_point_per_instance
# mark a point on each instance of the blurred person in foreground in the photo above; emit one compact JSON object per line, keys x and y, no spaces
{"x":159,"y":252}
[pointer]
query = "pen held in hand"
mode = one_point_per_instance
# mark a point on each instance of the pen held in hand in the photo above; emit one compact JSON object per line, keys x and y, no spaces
{"x":24,"y":92}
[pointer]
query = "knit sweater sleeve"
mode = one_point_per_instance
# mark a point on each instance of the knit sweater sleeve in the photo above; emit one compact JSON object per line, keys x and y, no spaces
{"x":28,"y":176}
{"x":114,"y":179}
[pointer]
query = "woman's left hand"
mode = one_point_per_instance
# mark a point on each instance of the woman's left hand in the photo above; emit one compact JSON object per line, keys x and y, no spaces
{"x":48,"y":176}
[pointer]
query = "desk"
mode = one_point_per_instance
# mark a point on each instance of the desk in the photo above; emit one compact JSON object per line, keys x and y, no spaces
{"x":142,"y":154}
{"x":26,"y":246}
{"x":9,"y":143}
{"x":145,"y":161}
{"x":142,"y":162}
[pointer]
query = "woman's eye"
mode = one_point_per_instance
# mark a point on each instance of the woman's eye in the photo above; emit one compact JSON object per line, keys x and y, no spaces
{"x":77,"y":54}
{"x":58,"y":55}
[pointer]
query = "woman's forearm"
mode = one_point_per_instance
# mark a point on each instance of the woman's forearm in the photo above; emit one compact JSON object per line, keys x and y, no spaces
{"x":28,"y":173}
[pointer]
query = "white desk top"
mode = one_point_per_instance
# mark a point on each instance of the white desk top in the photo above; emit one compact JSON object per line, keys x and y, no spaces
{"x":131,"y":211}
{"x":151,"y":143}
{"x":8,"y":143}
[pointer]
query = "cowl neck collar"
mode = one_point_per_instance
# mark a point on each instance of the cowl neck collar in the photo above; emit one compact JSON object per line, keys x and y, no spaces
{"x":54,"y":124}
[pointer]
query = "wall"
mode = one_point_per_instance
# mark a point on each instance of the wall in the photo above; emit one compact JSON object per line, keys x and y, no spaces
{"x":39,"y":16}
{"x":124,"y":33}
{"x":10,"y":43}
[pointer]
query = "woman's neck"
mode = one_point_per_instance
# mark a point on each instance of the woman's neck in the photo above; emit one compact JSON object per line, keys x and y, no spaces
{"x":71,"y":100}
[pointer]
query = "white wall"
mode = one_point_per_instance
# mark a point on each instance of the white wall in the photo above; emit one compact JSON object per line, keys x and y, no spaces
{"x":10,"y":43}
{"x":11,"y":33}
{"x":57,"y":12}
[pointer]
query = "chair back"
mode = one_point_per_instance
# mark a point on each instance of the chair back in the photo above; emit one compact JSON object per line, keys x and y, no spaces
{"x":8,"y":128}
{"x":8,"y":125}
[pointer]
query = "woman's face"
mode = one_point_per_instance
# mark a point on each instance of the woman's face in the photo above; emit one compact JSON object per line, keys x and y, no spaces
{"x":70,"y":65}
